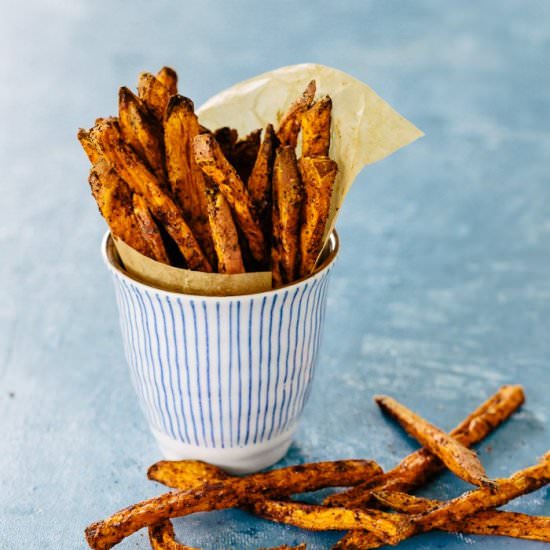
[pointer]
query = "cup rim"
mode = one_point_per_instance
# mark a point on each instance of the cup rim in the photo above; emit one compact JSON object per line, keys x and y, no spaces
{"x":114,"y":266}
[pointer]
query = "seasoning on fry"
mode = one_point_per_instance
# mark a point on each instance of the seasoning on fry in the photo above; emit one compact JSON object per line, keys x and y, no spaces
{"x":210,"y":158}
{"x":149,"y":229}
{"x":318,"y":175}
{"x":184,"y":176}
{"x":457,"y":457}
{"x":224,"y":232}
{"x":106,"y":134}
{"x":289,"y":126}
{"x":287,"y":206}
{"x":415,"y":469}
{"x":141,"y":131}
{"x":316,"y":129}
{"x":226,"y":494}
{"x":153,"y":93}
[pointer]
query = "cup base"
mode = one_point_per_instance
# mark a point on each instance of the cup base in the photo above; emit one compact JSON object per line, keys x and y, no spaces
{"x":234,"y":460}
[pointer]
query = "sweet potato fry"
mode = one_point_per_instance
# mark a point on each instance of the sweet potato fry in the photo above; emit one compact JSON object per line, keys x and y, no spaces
{"x":224,"y":233}
{"x":418,"y":467}
{"x":92,"y":152}
{"x":141,"y":131}
{"x":504,"y":524}
{"x":522,"y":482}
{"x":226,"y":494}
{"x":169,"y":78}
{"x":319,"y":518}
{"x":153,"y":93}
{"x":457,"y":457}
{"x":276,"y":274}
{"x":114,"y":199}
{"x":162,"y":537}
{"x":106,"y":134}
{"x":469,"y":504}
{"x":185,"y":474}
{"x":490,"y":522}
{"x":259,"y":182}
{"x":287,"y":205}
{"x":289,"y":126}
{"x":149,"y":229}
{"x":210,"y":158}
{"x":318,"y":175}
{"x":316,"y":129}
{"x":184,"y":176}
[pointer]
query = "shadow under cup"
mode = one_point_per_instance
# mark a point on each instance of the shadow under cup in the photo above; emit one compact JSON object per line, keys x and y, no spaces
{"x":222,"y":379}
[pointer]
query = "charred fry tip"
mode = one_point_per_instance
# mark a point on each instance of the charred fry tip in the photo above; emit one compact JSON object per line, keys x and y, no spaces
{"x":169,"y":71}
{"x":179,"y":102}
{"x":125,"y":95}
{"x":152,"y":470}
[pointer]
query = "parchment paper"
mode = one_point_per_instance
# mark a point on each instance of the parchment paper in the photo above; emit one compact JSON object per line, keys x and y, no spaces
{"x":364,"y":129}
{"x":187,"y":281}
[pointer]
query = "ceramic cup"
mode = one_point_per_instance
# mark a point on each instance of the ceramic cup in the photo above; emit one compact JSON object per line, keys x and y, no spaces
{"x":222,"y":379}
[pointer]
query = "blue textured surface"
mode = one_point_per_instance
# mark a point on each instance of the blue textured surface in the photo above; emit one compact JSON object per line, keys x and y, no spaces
{"x":442,"y":292}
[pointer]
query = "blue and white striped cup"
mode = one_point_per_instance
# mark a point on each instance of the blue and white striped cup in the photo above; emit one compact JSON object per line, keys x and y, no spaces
{"x":222,"y":379}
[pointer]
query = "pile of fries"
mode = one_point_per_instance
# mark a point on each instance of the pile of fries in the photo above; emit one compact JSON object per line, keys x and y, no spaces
{"x":206,"y":200}
{"x":377,"y":510}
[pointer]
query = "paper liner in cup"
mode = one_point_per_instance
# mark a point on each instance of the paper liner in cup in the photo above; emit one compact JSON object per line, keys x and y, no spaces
{"x":186,"y":281}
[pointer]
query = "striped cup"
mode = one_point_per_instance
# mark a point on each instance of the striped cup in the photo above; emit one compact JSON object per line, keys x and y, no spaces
{"x":222,"y":379}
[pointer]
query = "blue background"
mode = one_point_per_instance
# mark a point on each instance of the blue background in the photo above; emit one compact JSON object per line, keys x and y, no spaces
{"x":441,"y":294}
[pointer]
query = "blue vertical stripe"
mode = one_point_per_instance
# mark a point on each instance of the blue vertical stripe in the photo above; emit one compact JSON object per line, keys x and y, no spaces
{"x":239,"y":375}
{"x":278,"y":363}
{"x":180,"y":397}
{"x":303,"y":350}
{"x":198,"y":373}
{"x":317,"y":326}
{"x":304,"y":367}
{"x":285,"y":377}
{"x":268,"y":365}
{"x":169,"y":368}
{"x":208,"y":384}
{"x":135,"y":355}
{"x":260,"y":372}
{"x":314,"y":346}
{"x":149,"y":363}
{"x":220,"y":402}
{"x":250,"y":370}
{"x":149,"y":383}
{"x":230,"y":373}
{"x":158,"y":365}
{"x":190,"y":399}
{"x":128,"y":351}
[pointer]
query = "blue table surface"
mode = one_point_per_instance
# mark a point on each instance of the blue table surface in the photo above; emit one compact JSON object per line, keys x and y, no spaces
{"x":441,"y":293}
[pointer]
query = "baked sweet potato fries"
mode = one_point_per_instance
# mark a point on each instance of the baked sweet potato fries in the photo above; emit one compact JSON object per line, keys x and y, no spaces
{"x":377,"y":510}
{"x":207,"y":200}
